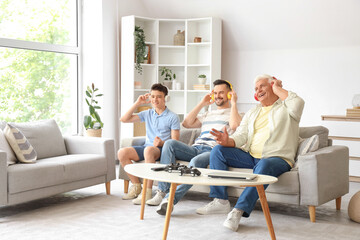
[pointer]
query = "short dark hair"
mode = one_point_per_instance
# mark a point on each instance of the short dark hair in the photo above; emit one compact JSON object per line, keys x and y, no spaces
{"x":160,"y":87}
{"x":220,"y":81}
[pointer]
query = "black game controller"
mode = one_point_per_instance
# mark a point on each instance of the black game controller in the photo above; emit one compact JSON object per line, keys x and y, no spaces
{"x":193,"y":171}
{"x":173,"y":167}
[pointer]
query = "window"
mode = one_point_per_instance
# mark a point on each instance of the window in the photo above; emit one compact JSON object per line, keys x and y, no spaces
{"x":39,"y":53}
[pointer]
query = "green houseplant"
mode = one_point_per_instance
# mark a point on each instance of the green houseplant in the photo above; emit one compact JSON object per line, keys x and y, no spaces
{"x":92,"y":122}
{"x":168,"y":76}
{"x":202,"y":78}
{"x":140,"y":48}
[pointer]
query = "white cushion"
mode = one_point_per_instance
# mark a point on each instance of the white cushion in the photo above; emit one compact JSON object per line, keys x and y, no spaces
{"x":19,"y":144}
{"x":4,"y":146}
{"x":308,"y":145}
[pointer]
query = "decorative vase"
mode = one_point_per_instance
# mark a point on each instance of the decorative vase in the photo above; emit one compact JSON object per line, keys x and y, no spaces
{"x":202,"y":80}
{"x":174,"y":82}
{"x":179,"y":38}
{"x":168,"y":84}
{"x":356,"y":101}
{"x":197,"y":39}
{"x":93,"y":132}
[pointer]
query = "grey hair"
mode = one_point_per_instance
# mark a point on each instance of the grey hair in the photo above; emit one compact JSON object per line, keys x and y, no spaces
{"x":263,"y":76}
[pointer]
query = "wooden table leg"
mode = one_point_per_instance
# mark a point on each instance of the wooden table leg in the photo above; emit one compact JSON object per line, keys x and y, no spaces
{"x":143,"y":198}
{"x":169,"y":209}
{"x":266,"y":211}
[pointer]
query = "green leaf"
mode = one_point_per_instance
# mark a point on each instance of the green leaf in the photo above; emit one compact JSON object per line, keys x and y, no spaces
{"x":91,"y":110}
{"x":97,"y":107}
{"x":97,"y":117}
{"x":87,"y":102}
{"x":88,"y":94}
{"x":87,"y":121}
{"x":99,"y":95}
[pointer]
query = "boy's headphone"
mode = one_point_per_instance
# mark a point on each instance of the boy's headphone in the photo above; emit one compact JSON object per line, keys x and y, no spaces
{"x":228,"y":94}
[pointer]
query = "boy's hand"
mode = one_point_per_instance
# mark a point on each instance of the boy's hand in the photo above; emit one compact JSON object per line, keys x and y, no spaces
{"x":158,"y":142}
{"x":143,"y":99}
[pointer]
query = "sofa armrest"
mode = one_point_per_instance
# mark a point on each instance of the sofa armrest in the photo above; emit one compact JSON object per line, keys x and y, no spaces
{"x":3,"y":178}
{"x":323,"y":175}
{"x":93,"y":145}
{"x":133,"y":141}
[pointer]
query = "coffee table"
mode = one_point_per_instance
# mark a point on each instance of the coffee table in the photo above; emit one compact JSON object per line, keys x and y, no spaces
{"x":143,"y":170}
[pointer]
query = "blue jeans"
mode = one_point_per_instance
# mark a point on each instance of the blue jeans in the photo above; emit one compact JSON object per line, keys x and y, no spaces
{"x":198,"y":156}
{"x":223,"y":157}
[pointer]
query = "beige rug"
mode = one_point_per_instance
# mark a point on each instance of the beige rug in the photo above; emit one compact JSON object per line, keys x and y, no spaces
{"x":90,"y":214}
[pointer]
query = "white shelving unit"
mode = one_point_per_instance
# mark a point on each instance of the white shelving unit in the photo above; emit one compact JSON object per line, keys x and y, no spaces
{"x":187,"y":61}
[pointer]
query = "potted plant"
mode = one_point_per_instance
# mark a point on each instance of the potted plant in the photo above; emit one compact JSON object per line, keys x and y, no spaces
{"x":140,"y":48}
{"x":92,"y":122}
{"x":202,"y":78}
{"x":168,"y":76}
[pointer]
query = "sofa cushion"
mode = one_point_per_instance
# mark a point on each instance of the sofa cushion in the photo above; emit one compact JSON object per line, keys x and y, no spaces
{"x":23,"y":150}
{"x":54,"y":171}
{"x":188,"y":135}
{"x":44,"y":136}
{"x":322,"y":132}
{"x":308,"y":145}
{"x":2,"y":125}
{"x":4,"y":146}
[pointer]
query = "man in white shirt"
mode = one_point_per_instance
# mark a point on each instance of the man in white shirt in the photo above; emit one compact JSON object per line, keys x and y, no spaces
{"x":225,"y":116}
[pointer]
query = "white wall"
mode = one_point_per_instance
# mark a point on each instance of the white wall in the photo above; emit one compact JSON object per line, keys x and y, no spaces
{"x":312,"y":45}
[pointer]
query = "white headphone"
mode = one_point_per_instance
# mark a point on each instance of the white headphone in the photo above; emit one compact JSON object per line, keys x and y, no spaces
{"x":167,"y":97}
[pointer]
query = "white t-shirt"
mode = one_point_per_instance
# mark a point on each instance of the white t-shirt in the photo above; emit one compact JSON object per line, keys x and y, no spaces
{"x":216,"y":119}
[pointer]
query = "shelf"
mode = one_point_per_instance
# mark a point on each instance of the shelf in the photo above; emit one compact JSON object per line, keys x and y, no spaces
{"x":171,"y":46}
{"x":141,"y":90}
{"x":354,"y":158}
{"x":354,"y":179}
{"x":150,"y":43}
{"x":147,"y":65}
{"x":199,"y":44}
{"x":345,"y":138}
{"x":339,"y":118}
{"x":171,"y":65}
{"x":198,"y":65}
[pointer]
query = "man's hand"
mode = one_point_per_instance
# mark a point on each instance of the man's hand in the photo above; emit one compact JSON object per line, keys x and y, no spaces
{"x":207,"y":99}
{"x":221,"y":138}
{"x":233,"y":98}
{"x":143,"y":99}
{"x":158,"y":142}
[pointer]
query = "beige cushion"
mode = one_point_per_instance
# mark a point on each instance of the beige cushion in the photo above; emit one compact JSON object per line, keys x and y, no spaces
{"x":4,"y":146}
{"x":20,"y":145}
{"x":310,"y":144}
{"x":45,"y":136}
{"x":322,"y":132}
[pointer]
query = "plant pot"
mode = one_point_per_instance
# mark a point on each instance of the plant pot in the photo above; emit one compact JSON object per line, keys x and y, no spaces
{"x":168,"y":84}
{"x":93,"y":132}
{"x":202,"y":80}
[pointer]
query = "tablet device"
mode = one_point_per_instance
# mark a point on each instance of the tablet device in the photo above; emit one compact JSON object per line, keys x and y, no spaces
{"x":232,"y":175}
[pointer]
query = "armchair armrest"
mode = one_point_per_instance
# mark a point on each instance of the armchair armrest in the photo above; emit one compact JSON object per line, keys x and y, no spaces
{"x":134,"y":141}
{"x":93,"y":145}
{"x":3,"y":178}
{"x":323,"y":175}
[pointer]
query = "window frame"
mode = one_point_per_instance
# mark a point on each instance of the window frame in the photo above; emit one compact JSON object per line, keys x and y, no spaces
{"x":57,"y":48}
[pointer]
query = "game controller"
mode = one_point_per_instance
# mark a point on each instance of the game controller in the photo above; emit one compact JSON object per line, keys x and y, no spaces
{"x":193,"y":171}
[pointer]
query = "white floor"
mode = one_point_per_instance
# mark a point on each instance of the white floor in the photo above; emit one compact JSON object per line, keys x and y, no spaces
{"x":90,"y":214}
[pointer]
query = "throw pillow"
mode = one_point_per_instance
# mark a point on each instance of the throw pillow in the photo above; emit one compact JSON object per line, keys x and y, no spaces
{"x":21,"y":146}
{"x":308,"y":145}
{"x":4,"y":146}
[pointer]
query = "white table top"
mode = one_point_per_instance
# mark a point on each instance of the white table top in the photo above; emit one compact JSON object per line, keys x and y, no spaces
{"x":143,"y":170}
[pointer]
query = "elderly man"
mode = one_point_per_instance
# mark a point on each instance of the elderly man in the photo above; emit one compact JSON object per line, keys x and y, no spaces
{"x":266,"y":141}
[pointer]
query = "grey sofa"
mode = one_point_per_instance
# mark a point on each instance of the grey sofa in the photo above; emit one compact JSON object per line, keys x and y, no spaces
{"x":316,"y":178}
{"x":63,"y":164}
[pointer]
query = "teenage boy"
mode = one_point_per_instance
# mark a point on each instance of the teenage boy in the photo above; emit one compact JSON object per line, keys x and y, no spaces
{"x":161,"y":125}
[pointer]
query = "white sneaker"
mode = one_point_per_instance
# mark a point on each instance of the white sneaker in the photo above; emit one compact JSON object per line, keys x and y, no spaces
{"x":162,"y":208}
{"x":137,"y":201}
{"x":134,"y":191}
{"x":233,"y":219}
{"x":156,"y":200}
{"x":215,"y":207}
